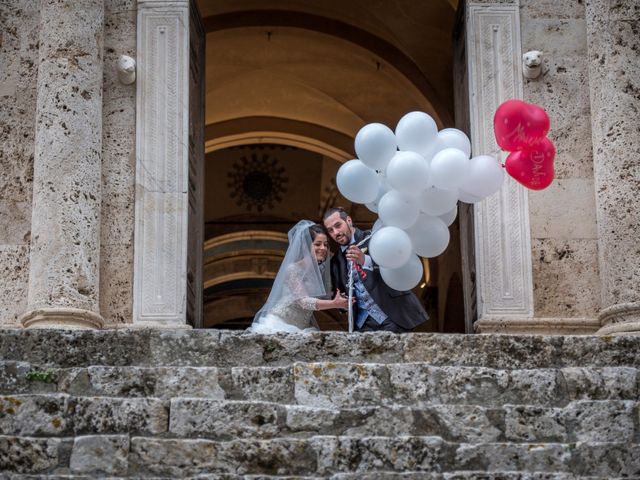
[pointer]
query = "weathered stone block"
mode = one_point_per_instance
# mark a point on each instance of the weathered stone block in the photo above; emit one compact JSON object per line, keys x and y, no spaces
{"x":600,"y":351}
{"x":13,"y":379}
{"x":511,"y":476}
{"x":549,"y":457}
{"x":602,"y":421}
{"x":376,"y":421}
{"x":100,"y":455}
{"x":143,"y":381}
{"x":494,"y":351}
{"x":269,"y":384}
{"x":617,"y":383}
{"x":609,"y":460}
{"x":535,"y":9}
{"x":27,"y":454}
{"x":224,"y":420}
{"x":468,"y":423}
{"x":472,"y":385}
{"x":26,"y":415}
{"x":120,"y":415}
{"x":524,"y":423}
{"x":340,"y":384}
{"x":14,"y":278}
{"x":74,"y":348}
{"x":565,"y":274}
{"x":179,"y":458}
{"x":311,"y":419}
{"x":375,"y":454}
{"x":116,"y":274}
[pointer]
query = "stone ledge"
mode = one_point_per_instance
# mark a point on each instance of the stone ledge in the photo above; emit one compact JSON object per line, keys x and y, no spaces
{"x":330,"y":457}
{"x":72,"y":348}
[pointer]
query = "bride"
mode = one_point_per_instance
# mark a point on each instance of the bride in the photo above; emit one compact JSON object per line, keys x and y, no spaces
{"x":302,"y":285}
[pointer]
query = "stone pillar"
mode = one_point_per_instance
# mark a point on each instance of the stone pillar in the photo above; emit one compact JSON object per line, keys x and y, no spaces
{"x":162,"y":165}
{"x":614,"y":72}
{"x":501,"y":222}
{"x":65,"y":224}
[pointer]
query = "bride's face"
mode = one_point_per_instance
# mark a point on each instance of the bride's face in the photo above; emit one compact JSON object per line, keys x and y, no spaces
{"x":320,"y":247}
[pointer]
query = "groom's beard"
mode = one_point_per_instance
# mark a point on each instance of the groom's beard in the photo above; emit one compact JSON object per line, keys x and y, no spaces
{"x":348,"y":237}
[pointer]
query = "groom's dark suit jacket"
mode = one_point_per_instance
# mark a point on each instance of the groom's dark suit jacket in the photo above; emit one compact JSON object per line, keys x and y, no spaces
{"x":402,"y":308}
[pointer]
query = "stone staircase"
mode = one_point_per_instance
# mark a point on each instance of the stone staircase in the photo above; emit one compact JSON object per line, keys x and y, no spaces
{"x":224,"y":405}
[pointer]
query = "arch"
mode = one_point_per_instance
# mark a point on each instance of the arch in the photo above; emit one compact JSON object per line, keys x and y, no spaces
{"x":380,"y":47}
{"x":256,"y":130}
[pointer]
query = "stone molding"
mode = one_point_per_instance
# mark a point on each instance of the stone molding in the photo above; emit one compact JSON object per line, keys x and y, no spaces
{"x":623,"y":318}
{"x":502,"y":233}
{"x":162,"y":126}
{"x":60,"y":317}
{"x":539,"y":326}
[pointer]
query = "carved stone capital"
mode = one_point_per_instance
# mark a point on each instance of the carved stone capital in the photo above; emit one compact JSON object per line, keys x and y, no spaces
{"x":62,"y":318}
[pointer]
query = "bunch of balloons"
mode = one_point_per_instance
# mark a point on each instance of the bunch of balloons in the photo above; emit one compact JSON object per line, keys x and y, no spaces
{"x":521,"y":128}
{"x":413,"y":179}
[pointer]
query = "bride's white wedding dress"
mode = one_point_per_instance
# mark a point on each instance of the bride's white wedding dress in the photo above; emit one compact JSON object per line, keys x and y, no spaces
{"x":296,"y":288}
{"x":290,"y":314}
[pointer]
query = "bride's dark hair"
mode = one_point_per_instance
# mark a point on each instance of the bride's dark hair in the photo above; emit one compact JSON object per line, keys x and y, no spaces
{"x":315,"y":229}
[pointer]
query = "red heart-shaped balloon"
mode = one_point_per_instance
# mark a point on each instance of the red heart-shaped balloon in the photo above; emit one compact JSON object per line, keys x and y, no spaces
{"x":518,"y":125}
{"x":532,"y":166}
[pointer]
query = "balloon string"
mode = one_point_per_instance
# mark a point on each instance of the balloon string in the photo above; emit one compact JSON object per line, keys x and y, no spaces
{"x":495,"y":154}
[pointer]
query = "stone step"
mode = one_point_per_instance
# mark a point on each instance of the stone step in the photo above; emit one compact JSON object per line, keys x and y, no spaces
{"x":72,"y":348}
{"x":320,"y":456}
{"x":333,"y":385}
{"x":59,"y":415}
{"x":464,"y":475}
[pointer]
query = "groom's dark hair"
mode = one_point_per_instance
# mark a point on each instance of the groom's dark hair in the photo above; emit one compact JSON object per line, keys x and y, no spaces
{"x":343,"y":213}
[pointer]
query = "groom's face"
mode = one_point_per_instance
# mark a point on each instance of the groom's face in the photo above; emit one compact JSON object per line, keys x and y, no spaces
{"x":340,"y":230}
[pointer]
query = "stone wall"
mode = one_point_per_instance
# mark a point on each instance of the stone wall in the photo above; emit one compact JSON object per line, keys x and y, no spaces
{"x":563,"y":216}
{"x":19,"y":39}
{"x":118,"y":166}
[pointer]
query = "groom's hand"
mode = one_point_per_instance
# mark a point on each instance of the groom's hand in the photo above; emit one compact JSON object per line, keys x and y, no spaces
{"x":353,"y":253}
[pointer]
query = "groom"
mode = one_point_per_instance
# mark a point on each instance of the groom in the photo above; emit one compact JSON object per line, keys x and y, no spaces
{"x":377,"y":306}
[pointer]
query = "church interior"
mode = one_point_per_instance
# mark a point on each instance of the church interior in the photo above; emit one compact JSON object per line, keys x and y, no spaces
{"x":288,"y":84}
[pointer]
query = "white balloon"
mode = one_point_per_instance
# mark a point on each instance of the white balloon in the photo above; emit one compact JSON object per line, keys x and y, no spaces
{"x":434,"y":147}
{"x":377,"y":226}
{"x":408,"y":172}
{"x":438,"y":201}
{"x":416,"y":132}
{"x":467,"y":197}
{"x":383,"y":188}
{"x":375,"y":145}
{"x":449,"y":217}
{"x":449,"y":168}
{"x":429,"y":236}
{"x":485,"y":178}
{"x":405,"y":277}
{"x":390,"y":247}
{"x":357,"y":182}
{"x":454,"y":138}
{"x":398,"y":210}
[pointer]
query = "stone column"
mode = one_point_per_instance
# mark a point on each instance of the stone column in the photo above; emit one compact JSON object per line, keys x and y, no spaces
{"x":65,"y":225}
{"x":613,"y":35}
{"x":162,"y":165}
{"x":501,"y":222}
